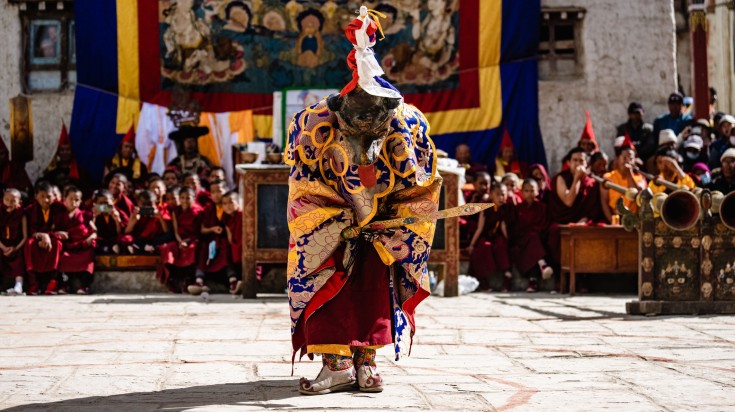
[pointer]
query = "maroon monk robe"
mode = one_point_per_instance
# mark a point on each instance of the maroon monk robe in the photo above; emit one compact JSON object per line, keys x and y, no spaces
{"x":125,"y":207}
{"x":11,"y":233}
{"x":145,"y":231}
{"x":203,"y":198}
{"x":189,"y":224}
{"x":491,"y":250}
{"x":234,"y":223}
{"x":41,"y":260}
{"x":107,"y":234}
{"x":468,"y":224}
{"x":527,"y":225}
{"x":77,"y":256}
{"x":222,"y":258}
{"x":586,"y":205}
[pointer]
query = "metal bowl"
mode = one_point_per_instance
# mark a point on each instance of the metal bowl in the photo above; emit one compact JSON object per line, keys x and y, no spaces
{"x":248,"y":157}
{"x":274,"y":158}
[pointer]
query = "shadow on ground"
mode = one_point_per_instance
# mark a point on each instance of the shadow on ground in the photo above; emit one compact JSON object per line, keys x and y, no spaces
{"x":263,"y":394}
{"x":213,"y":298}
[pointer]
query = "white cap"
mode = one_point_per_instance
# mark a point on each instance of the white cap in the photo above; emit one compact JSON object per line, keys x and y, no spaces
{"x":727,"y":118}
{"x":666,"y":136}
{"x":619,"y":141}
{"x":693,"y":141}
{"x":728,"y":153}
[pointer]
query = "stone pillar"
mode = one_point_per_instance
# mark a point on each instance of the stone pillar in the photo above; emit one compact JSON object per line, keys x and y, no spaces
{"x":700,"y":82}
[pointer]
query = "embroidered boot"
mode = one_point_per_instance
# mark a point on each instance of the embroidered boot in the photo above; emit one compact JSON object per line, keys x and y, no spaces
{"x":368,"y":378}
{"x":337,"y":374}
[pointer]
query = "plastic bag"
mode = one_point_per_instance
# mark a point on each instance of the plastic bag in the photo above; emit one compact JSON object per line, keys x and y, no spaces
{"x":467,"y":284}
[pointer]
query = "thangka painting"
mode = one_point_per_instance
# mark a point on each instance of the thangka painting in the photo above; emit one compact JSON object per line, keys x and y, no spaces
{"x":259,"y":46}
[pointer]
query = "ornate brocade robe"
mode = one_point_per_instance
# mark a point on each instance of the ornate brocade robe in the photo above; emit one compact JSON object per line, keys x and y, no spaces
{"x":328,"y":194}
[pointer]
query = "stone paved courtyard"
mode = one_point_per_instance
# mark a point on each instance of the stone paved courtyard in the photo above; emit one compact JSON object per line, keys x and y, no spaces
{"x":499,"y":352}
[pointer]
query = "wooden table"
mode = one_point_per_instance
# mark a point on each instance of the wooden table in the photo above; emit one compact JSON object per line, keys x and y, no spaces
{"x":596,"y":249}
{"x":264,"y":192}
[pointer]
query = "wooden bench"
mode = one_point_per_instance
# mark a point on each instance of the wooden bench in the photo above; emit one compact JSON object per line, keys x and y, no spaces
{"x":126,"y":262}
{"x":596,"y":249}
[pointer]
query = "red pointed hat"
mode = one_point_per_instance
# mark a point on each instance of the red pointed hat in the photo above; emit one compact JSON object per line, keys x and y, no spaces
{"x":627,"y":143}
{"x":130,"y":135}
{"x":588,"y":132}
{"x":506,"y":142}
{"x":64,"y":135}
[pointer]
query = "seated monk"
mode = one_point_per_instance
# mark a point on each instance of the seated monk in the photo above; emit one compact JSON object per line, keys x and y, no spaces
{"x":118,"y":188}
{"x":12,"y":174}
{"x":13,"y":236}
{"x":624,"y":175}
{"x":77,"y":256}
{"x":667,"y":162}
{"x":108,"y":222}
{"x":46,"y":221}
{"x":725,"y":182}
{"x":126,"y":161}
{"x":64,"y":169}
{"x":506,"y":162}
{"x":189,"y":159}
{"x":464,"y":157}
{"x":480,"y":194}
{"x":575,"y":199}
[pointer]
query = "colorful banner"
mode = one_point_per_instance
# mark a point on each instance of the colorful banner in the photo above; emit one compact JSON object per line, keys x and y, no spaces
{"x":472,"y":79}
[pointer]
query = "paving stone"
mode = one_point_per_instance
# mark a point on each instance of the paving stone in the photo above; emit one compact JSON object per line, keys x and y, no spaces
{"x":484,"y":351}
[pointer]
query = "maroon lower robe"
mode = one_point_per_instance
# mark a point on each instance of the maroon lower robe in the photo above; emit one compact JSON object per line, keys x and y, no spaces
{"x":11,"y":233}
{"x":107,"y":234}
{"x":145,"y":231}
{"x":223,"y":257}
{"x":468,"y":224}
{"x":189,"y":224}
{"x":41,"y":260}
{"x":527,"y":226}
{"x":586,"y":205}
{"x":77,"y":256}
{"x":491,"y":250}
{"x":125,"y":207}
{"x":361,"y":308}
{"x":203,"y":198}
{"x":234,"y":223}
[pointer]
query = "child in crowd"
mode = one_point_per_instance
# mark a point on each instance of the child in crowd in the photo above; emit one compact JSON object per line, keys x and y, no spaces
{"x":599,"y":164}
{"x":172,"y":199}
{"x":233,"y":227}
{"x":118,"y":188}
{"x":528,"y":222}
{"x":214,"y":250}
{"x":156,"y":185}
{"x":216,"y":173}
{"x":146,"y":228}
{"x":14,"y":233}
{"x":108,"y":222}
{"x":488,"y":248}
{"x":46,"y":219}
{"x":512,"y":182}
{"x":77,"y":257}
{"x":667,"y":162}
{"x":179,"y":257}
{"x":170,"y":178}
{"x":202,"y":196}
{"x":479,"y":194}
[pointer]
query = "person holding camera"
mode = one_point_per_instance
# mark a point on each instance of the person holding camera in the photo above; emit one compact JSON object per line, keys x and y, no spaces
{"x":108,"y":221}
{"x":146,"y":228}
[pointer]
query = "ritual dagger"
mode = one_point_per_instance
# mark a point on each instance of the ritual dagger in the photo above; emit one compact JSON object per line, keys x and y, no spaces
{"x":464,"y":210}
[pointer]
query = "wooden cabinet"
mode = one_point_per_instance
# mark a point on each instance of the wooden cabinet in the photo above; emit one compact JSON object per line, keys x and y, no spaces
{"x":596,"y":249}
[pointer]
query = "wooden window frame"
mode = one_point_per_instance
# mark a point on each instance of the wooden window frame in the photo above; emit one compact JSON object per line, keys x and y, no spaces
{"x":62,"y":11}
{"x":553,"y":18}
